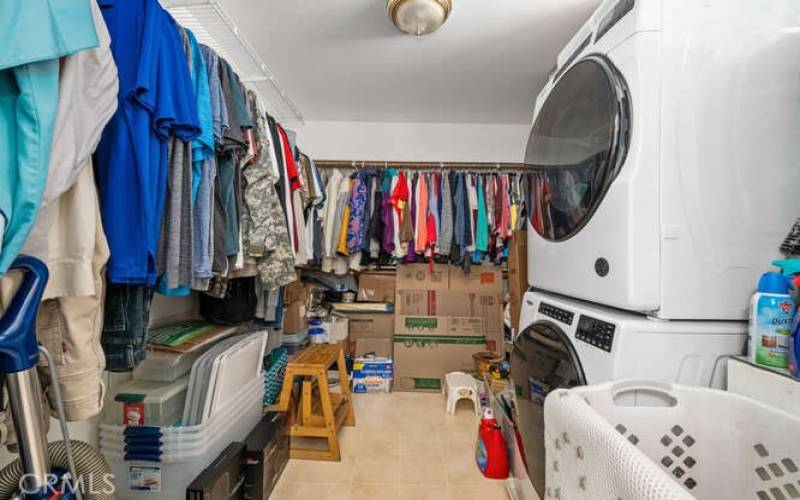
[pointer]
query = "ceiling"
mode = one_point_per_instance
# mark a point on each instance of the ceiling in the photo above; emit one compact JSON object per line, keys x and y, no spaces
{"x":342,"y":60}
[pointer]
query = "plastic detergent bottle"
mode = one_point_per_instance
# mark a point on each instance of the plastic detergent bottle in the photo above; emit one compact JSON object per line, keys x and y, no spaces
{"x":791,"y":269}
{"x":491,"y":453}
{"x":794,"y":346}
{"x":772,"y":310}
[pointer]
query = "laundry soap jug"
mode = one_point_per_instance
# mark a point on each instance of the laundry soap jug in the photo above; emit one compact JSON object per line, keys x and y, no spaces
{"x":772,"y":309}
{"x":491,"y":453}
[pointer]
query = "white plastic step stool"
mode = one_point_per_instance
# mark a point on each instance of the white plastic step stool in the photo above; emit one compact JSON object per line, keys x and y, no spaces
{"x":460,"y":385}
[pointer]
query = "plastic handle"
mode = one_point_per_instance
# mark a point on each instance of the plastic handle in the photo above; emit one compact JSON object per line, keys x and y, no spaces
{"x":155,"y":439}
{"x":142,"y":431}
{"x":18,"y":347}
{"x":130,"y":457}
{"x":664,"y":389}
{"x":142,"y":449}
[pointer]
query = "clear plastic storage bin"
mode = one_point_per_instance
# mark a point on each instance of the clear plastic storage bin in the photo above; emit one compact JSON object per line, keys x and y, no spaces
{"x":142,"y":402}
{"x":160,"y":462}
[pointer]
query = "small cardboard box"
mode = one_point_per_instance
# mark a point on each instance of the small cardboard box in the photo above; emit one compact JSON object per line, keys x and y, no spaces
{"x":294,"y":291}
{"x":374,"y":287}
{"x":375,"y":347}
{"x":479,"y":279}
{"x":294,"y":319}
{"x":371,"y":325}
{"x":421,"y":362}
{"x":420,"y":277}
{"x":367,"y":330}
{"x":372,"y":375}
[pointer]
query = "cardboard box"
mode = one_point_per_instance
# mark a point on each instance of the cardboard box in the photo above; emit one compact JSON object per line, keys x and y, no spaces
{"x":420,"y":277}
{"x":374,"y":287}
{"x":294,"y":291}
{"x":370,"y":332}
{"x":439,"y":325}
{"x":381,"y":348}
{"x":517,"y":275}
{"x":371,"y":325}
{"x":294,"y":319}
{"x":479,"y":279}
{"x":372,"y":375}
{"x":448,"y":312}
{"x":421,"y":362}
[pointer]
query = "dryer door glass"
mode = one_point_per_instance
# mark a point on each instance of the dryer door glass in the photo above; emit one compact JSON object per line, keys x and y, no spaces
{"x":577,"y":146}
{"x":543,"y":360}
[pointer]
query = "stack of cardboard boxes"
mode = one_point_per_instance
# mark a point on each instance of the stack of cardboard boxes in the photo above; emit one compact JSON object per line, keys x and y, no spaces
{"x":371,"y":333}
{"x":443,"y":317}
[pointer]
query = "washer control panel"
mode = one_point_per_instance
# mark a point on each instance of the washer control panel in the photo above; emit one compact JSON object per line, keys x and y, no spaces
{"x":557,"y":313}
{"x":596,"y":332}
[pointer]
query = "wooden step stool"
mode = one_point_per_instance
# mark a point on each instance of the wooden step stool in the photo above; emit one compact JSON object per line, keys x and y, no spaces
{"x":319,"y":413}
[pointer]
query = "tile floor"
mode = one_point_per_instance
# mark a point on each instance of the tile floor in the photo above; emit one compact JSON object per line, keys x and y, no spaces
{"x":404,"y":447}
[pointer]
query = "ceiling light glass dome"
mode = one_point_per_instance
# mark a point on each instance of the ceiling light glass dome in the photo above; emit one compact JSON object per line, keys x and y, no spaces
{"x":418,"y":17}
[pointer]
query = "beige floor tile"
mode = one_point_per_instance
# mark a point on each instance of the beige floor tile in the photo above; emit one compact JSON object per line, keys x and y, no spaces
{"x":457,"y":440}
{"x":374,"y":443}
{"x":288,"y":490}
{"x":494,"y":490}
{"x":432,"y":446}
{"x":423,"y":492}
{"x":462,"y":470}
{"x":317,"y":471}
{"x":375,"y":491}
{"x":376,"y":470}
{"x":404,"y":447}
{"x":348,"y":441}
{"x":422,"y":470}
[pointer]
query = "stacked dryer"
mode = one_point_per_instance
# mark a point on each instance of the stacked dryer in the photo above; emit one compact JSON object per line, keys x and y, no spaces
{"x":665,"y":154}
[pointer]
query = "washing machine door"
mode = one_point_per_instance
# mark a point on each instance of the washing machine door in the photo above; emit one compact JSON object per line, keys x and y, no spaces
{"x":543,"y":360}
{"x":577,"y":147}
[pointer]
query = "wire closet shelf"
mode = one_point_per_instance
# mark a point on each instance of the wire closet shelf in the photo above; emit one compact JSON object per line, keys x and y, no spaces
{"x":213,"y":26}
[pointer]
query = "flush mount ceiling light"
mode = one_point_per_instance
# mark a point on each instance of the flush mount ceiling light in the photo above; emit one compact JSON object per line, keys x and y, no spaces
{"x":418,"y":17}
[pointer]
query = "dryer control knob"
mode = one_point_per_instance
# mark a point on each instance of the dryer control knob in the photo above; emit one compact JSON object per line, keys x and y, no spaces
{"x":601,"y":267}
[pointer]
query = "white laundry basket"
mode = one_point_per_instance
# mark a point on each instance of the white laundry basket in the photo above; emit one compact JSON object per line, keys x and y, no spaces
{"x":612,"y":441}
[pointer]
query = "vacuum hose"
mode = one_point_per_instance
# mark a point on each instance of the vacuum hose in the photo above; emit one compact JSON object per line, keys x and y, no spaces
{"x":93,"y":471}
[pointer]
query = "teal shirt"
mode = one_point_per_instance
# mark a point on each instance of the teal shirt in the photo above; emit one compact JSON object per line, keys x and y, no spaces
{"x":482,"y":224}
{"x":40,"y":30}
{"x":203,"y":145}
{"x":33,"y":35}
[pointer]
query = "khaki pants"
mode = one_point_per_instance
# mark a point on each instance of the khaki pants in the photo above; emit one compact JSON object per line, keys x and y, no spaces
{"x":70,"y":320}
{"x":70,"y":328}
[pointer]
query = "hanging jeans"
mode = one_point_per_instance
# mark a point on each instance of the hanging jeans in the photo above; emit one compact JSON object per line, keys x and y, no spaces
{"x":125,"y":326}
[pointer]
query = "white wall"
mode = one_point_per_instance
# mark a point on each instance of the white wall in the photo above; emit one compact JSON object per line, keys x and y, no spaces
{"x":447,"y":142}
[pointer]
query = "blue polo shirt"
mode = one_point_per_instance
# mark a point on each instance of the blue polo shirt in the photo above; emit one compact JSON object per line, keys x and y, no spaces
{"x":156,"y":102}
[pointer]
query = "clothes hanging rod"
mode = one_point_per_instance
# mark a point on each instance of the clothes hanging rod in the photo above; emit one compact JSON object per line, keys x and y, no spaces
{"x":420,"y":165}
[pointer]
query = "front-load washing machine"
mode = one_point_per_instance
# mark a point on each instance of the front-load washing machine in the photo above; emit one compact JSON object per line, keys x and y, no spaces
{"x":664,"y":156}
{"x":565,"y":343}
